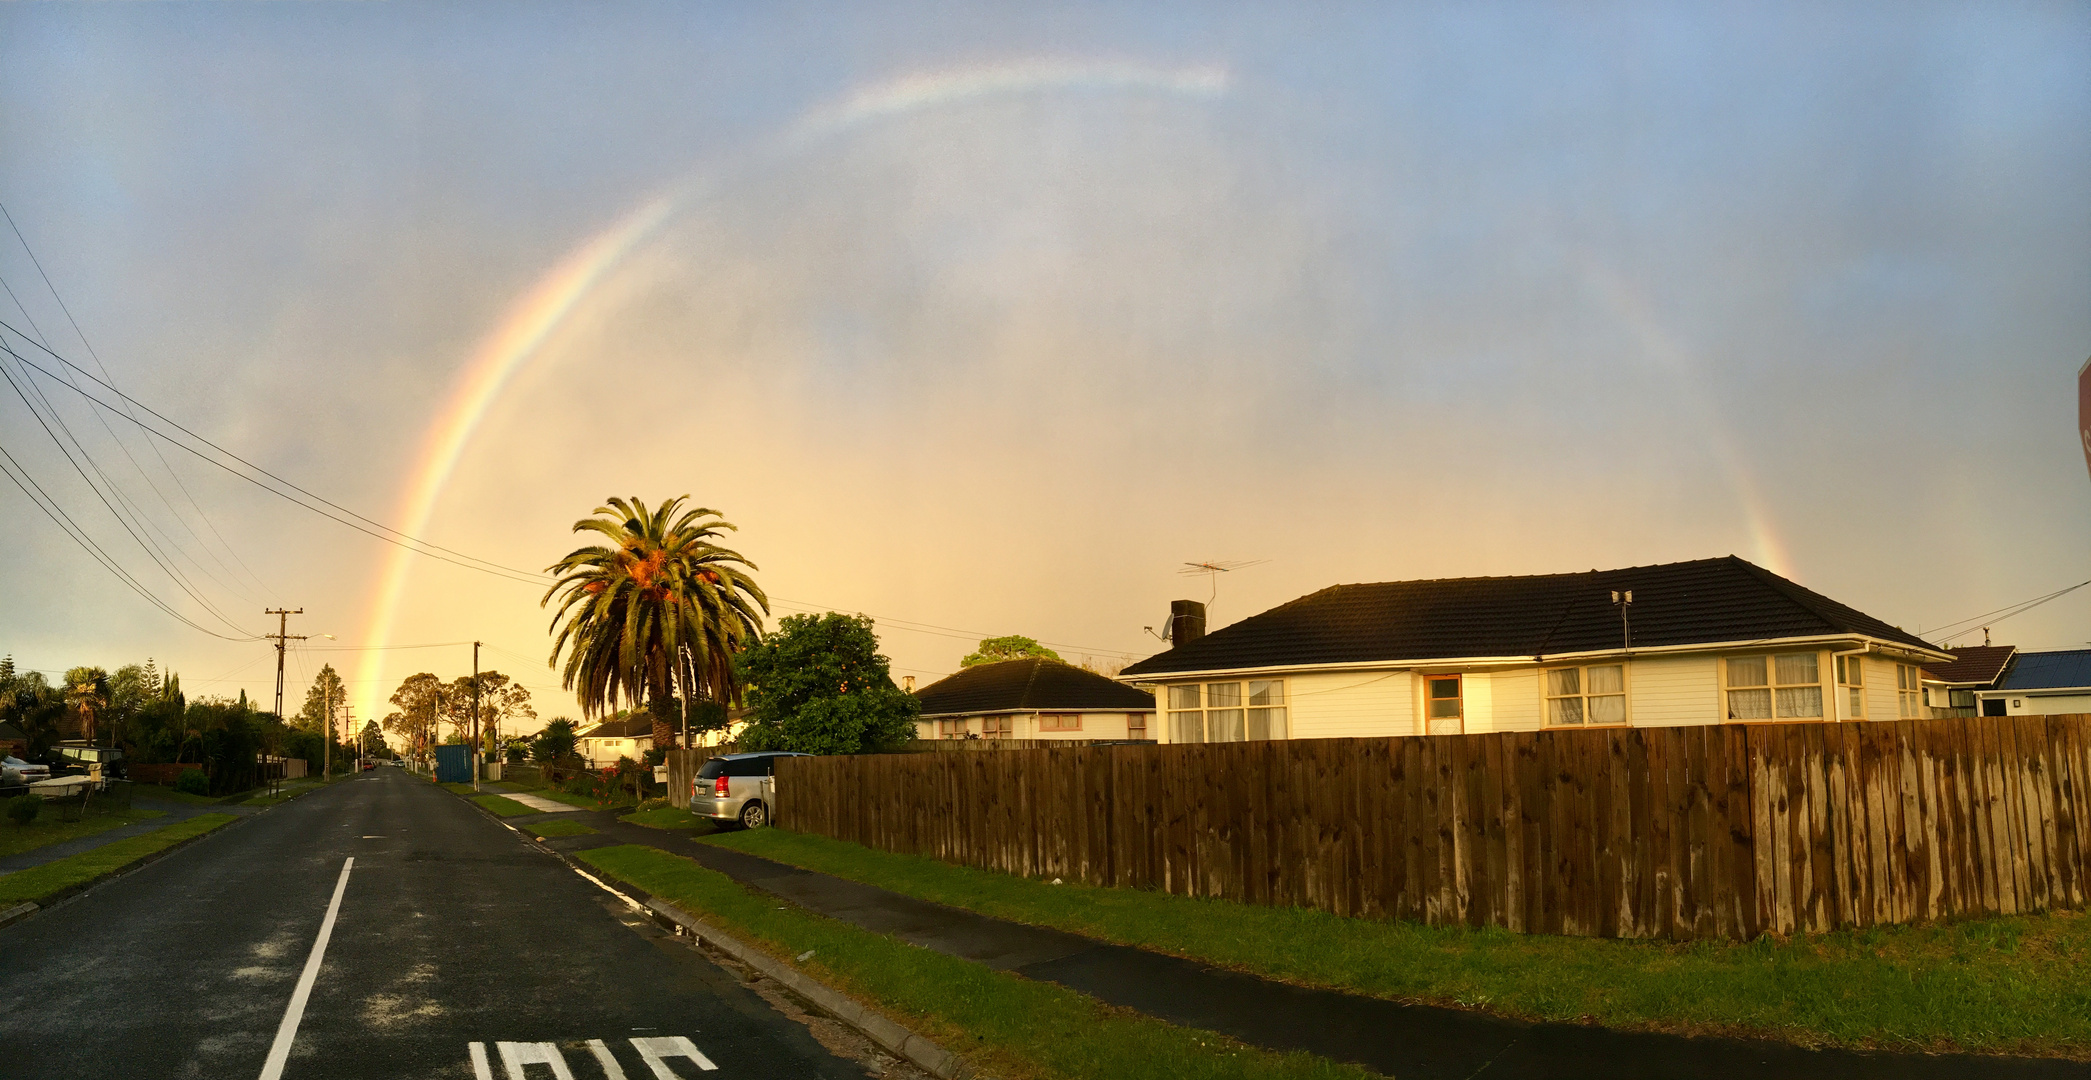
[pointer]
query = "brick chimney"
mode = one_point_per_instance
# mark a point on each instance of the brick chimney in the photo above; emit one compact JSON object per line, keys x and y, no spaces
{"x":1186,"y":622}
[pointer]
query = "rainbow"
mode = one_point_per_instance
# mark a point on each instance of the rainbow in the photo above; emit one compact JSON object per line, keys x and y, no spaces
{"x":533,"y":318}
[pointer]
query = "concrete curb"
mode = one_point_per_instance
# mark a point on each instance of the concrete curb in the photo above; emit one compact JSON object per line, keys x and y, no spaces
{"x":934,"y":1059}
{"x":17,"y":913}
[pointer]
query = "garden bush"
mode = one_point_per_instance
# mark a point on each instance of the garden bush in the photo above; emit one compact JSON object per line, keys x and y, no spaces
{"x":22,"y":809}
{"x":192,"y":782}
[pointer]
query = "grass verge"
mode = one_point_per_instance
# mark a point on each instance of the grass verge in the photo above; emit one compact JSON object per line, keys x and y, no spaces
{"x":1995,"y":985}
{"x":1011,"y":1026}
{"x":557,"y":827}
{"x":504,"y":806}
{"x":168,"y":794}
{"x":46,"y":830}
{"x":39,"y":882}
{"x":668,"y":817}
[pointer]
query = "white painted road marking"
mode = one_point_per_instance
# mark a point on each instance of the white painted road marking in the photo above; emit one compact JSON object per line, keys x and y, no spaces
{"x":611,"y":1069}
{"x":287,"y":1032}
{"x":653,"y":1050}
{"x":515,"y":1055}
{"x":480,"y":1069}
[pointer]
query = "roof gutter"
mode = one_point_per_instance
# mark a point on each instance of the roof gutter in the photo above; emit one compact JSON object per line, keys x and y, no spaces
{"x":1895,"y":649}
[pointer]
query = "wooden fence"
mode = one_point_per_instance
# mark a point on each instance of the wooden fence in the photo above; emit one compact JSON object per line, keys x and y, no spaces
{"x":1691,"y":832}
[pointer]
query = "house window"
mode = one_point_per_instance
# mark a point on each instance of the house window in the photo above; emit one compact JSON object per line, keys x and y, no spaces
{"x":1586,"y":695}
{"x":1217,"y":712}
{"x":1851,"y":683}
{"x":1060,"y":722}
{"x":954,"y":728}
{"x":1907,"y":683}
{"x":1267,"y":709}
{"x":1136,"y":725}
{"x":1441,"y":704}
{"x":996,"y":727}
{"x":1787,"y":686}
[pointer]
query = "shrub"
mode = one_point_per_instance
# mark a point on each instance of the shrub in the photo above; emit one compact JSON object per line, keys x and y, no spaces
{"x":192,"y":782}
{"x":24,"y":808}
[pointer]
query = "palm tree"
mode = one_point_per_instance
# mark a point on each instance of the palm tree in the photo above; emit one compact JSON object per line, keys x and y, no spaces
{"x":657,"y":609}
{"x":87,"y":691}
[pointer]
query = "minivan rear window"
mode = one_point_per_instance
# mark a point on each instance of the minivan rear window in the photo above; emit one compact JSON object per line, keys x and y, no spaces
{"x":712,"y":770}
{"x":750,"y":766}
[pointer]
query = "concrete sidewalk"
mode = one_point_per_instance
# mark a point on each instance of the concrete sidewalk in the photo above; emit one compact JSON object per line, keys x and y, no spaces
{"x":1413,"y":1042}
{"x":171,"y":812}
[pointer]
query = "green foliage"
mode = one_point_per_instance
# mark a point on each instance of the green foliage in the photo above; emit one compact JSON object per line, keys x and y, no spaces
{"x":819,"y":686}
{"x":556,"y":742}
{"x":324,"y":696}
{"x":193,"y":782}
{"x":40,"y":882}
{"x":994,"y":650}
{"x":657,"y":607}
{"x":22,"y":809}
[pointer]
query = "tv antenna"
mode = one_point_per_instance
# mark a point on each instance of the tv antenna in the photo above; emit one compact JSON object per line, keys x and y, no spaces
{"x":1213,"y":570}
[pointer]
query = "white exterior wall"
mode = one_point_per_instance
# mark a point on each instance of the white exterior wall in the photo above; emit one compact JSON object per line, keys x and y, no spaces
{"x":1345,"y":705}
{"x":2021,"y":704}
{"x":1674,"y":691}
{"x":1514,"y":701}
{"x":1095,"y":725}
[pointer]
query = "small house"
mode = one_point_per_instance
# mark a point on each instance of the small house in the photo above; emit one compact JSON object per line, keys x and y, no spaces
{"x":2042,"y":684}
{"x":604,"y":743}
{"x":1033,"y":699}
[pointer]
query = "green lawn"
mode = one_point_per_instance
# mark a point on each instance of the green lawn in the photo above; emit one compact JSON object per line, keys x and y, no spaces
{"x":47,"y":829}
{"x":38,"y":882}
{"x":1004,"y":1025}
{"x":668,"y":817}
{"x":558,"y":827}
{"x":156,"y":791}
{"x":1999,"y":985}
{"x":504,"y":806}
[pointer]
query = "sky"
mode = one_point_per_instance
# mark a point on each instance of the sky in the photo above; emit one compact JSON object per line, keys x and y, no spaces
{"x":987,"y":319}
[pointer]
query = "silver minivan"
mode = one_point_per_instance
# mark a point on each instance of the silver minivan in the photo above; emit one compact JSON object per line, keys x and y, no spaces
{"x":737,"y":787}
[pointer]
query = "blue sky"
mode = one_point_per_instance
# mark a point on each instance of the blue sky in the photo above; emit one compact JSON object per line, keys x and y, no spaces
{"x":1402,"y":291}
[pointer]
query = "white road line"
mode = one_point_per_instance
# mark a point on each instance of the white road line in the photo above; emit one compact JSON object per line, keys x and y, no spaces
{"x":653,"y":1050}
{"x":287,"y":1032}
{"x":515,"y":1055}
{"x":480,"y":1069}
{"x":611,"y":1069}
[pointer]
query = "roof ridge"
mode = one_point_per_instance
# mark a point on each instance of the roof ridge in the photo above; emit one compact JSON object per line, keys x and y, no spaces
{"x":1524,"y":577}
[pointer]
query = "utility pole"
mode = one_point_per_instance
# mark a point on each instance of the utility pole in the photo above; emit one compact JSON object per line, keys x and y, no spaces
{"x":326,"y":752}
{"x":282,"y":636}
{"x":475,"y":716}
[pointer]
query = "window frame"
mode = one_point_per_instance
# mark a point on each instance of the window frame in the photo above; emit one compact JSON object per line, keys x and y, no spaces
{"x":1546,"y":699}
{"x":999,"y":726}
{"x":1772,"y":686}
{"x":1136,"y":725}
{"x":1059,"y":723}
{"x":1909,"y":680}
{"x":1853,"y":692}
{"x":1424,"y":714}
{"x":954,"y":727}
{"x":1238,"y":703}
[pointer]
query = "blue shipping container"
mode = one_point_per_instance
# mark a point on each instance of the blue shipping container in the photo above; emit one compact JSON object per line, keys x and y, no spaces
{"x":453,"y":764}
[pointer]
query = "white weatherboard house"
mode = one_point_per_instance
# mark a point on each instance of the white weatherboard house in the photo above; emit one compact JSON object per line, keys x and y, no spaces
{"x":1705,"y":642}
{"x":604,"y":743}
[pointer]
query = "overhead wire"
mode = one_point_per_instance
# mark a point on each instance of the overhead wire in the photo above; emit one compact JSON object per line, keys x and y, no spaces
{"x":154,"y":447}
{"x":1991,"y":618}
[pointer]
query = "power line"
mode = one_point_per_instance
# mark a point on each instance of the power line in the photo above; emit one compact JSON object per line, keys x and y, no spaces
{"x":154,"y":447}
{"x":2005,"y":612}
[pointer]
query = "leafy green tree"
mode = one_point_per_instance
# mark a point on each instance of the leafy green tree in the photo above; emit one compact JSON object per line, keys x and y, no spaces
{"x":419,"y":704}
{"x":994,"y":650}
{"x":87,"y":694}
{"x":819,"y":686}
{"x":324,"y":695}
{"x":556,"y":742}
{"x":36,"y":707}
{"x":658,"y":608}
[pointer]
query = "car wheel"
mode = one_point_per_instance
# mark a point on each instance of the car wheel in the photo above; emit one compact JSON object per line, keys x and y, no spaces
{"x":754,"y":815}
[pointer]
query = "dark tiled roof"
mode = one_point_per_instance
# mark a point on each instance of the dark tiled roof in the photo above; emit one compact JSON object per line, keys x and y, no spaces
{"x":633,"y":728}
{"x":2069,"y":669}
{"x":1028,"y":685}
{"x":1974,"y":664}
{"x":1687,"y":603}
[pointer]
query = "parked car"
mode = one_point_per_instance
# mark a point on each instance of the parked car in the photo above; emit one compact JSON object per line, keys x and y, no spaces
{"x":79,"y":759}
{"x":733,"y":789}
{"x":30,"y":771}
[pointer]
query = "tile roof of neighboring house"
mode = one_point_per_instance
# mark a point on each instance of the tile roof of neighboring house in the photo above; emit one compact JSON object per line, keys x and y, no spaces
{"x":1027,"y":686}
{"x":629,"y":728}
{"x":1976,"y":664}
{"x":2069,"y":669}
{"x":1687,"y":603}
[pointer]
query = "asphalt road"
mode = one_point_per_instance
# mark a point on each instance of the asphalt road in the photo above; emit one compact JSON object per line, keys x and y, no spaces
{"x":450,"y":931}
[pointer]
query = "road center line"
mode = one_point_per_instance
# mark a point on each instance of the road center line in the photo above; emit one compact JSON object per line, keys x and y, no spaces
{"x":287,"y":1032}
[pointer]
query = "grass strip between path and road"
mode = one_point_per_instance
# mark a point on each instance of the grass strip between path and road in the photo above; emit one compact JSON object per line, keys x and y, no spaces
{"x":668,"y":817}
{"x":557,"y":827}
{"x":1005,"y":1025}
{"x":40,"y":882}
{"x":504,"y":806}
{"x":47,"y":829}
{"x":2008,"y":985}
